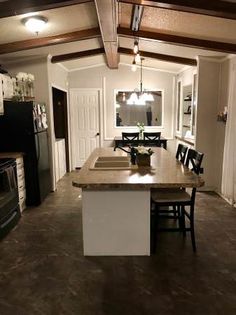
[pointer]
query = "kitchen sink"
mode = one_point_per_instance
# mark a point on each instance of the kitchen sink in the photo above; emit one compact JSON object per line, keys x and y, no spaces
{"x":112,"y":162}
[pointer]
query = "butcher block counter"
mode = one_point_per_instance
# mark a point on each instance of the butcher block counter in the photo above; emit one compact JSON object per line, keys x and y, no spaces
{"x":116,"y":199}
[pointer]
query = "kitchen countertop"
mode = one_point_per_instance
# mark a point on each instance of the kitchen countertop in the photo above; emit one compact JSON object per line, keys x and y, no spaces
{"x":165,"y":172}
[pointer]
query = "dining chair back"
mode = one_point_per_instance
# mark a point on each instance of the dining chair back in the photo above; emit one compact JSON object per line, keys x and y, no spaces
{"x":194,"y":160}
{"x":152,"y":139}
{"x":181,"y":153}
{"x":152,"y":135}
{"x":130,"y":136}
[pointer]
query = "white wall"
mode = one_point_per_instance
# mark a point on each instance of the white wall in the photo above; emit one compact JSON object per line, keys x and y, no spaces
{"x":206,"y":127}
{"x":220,"y":130}
{"x":108,"y":80}
{"x":186,"y":76}
{"x":37,"y":67}
{"x":58,"y":78}
{"x":227,"y":72}
{"x":46,"y":76}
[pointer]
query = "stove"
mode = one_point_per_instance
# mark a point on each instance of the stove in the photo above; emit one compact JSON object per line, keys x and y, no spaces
{"x":9,"y":199}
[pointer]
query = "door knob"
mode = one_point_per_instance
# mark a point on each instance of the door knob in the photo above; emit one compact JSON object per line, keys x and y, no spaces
{"x":97,"y":134}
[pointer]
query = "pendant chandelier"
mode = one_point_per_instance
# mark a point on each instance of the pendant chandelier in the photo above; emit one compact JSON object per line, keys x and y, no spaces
{"x":140,"y":96}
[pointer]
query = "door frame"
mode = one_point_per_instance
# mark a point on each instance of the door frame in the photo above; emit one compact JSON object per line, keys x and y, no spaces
{"x":67,"y":145}
{"x":52,"y":132}
{"x":100,"y":118}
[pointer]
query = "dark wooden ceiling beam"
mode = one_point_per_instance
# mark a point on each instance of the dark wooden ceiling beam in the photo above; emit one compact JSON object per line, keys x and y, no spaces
{"x":50,"y":40}
{"x":180,"y":40}
{"x":107,"y":17}
{"x":11,"y":8}
{"x":126,"y":51}
{"x":77,"y":55}
{"x":167,"y":58}
{"x":217,"y":8}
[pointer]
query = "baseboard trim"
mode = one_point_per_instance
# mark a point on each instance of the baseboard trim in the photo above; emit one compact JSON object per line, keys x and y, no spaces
{"x":207,"y":188}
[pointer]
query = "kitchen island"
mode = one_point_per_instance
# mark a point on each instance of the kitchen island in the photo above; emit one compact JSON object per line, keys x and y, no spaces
{"x":116,"y":201}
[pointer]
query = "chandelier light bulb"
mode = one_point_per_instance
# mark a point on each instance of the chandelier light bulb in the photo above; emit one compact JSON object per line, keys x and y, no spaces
{"x":137,"y":58}
{"x":134,"y":66}
{"x":149,"y":97}
{"x":139,"y":97}
{"x":136,"y":47}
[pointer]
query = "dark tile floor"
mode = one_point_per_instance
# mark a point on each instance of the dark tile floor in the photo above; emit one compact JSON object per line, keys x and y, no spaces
{"x":43,"y":270}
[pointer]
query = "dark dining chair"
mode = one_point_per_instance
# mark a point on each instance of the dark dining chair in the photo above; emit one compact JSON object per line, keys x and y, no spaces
{"x":130,"y":135}
{"x":176,"y":198}
{"x":174,"y":212}
{"x":181,"y":153}
{"x":152,"y":139}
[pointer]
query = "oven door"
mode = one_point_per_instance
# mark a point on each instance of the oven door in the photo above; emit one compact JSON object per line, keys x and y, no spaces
{"x":9,"y":199}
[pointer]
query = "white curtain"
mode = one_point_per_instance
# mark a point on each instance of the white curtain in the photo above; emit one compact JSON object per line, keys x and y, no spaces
{"x":229,"y":161}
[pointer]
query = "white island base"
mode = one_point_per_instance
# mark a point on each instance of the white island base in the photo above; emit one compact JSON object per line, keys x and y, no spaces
{"x":116,"y":222}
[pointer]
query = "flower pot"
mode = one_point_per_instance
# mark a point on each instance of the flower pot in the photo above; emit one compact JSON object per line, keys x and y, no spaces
{"x":143,"y":160}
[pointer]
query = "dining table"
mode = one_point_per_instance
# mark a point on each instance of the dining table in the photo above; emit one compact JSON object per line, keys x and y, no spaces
{"x":116,"y":200}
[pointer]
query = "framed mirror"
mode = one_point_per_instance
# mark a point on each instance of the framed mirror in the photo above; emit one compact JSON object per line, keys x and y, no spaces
{"x":131,"y":109}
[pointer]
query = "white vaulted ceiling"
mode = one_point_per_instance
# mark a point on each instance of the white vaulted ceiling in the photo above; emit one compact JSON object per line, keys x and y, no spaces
{"x":60,"y":20}
{"x":83,"y":16}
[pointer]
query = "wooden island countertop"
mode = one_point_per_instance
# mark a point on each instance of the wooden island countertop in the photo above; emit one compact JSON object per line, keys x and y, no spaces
{"x":165,"y":172}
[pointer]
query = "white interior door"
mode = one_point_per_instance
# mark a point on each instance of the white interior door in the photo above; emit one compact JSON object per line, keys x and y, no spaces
{"x":85,"y":131}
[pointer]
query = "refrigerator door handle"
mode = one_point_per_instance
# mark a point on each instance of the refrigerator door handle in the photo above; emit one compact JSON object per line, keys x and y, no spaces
{"x":38,"y":147}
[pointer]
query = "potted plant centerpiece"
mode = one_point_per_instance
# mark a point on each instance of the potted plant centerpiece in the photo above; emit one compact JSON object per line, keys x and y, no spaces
{"x":24,"y":87}
{"x":143,"y":156}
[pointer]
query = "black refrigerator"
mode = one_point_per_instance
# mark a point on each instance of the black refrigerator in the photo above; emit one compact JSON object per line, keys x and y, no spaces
{"x":23,"y":128}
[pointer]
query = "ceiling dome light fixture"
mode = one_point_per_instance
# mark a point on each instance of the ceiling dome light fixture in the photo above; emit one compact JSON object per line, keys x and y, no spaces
{"x":35,"y":23}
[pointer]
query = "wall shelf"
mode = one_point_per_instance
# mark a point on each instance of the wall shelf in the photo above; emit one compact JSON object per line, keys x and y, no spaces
{"x":188,"y":98}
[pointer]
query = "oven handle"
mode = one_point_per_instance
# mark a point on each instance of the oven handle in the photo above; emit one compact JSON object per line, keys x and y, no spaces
{"x":9,"y":220}
{"x":3,"y":168}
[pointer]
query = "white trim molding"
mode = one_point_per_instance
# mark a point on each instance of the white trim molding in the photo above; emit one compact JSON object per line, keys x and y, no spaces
{"x":87,"y":67}
{"x":149,"y":68}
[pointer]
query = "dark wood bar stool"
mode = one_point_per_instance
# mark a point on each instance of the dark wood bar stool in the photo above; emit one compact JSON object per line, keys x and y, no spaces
{"x":179,"y":199}
{"x":174,"y":212}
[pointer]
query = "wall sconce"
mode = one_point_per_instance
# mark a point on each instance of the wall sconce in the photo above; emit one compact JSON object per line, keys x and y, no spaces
{"x":222,"y":116}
